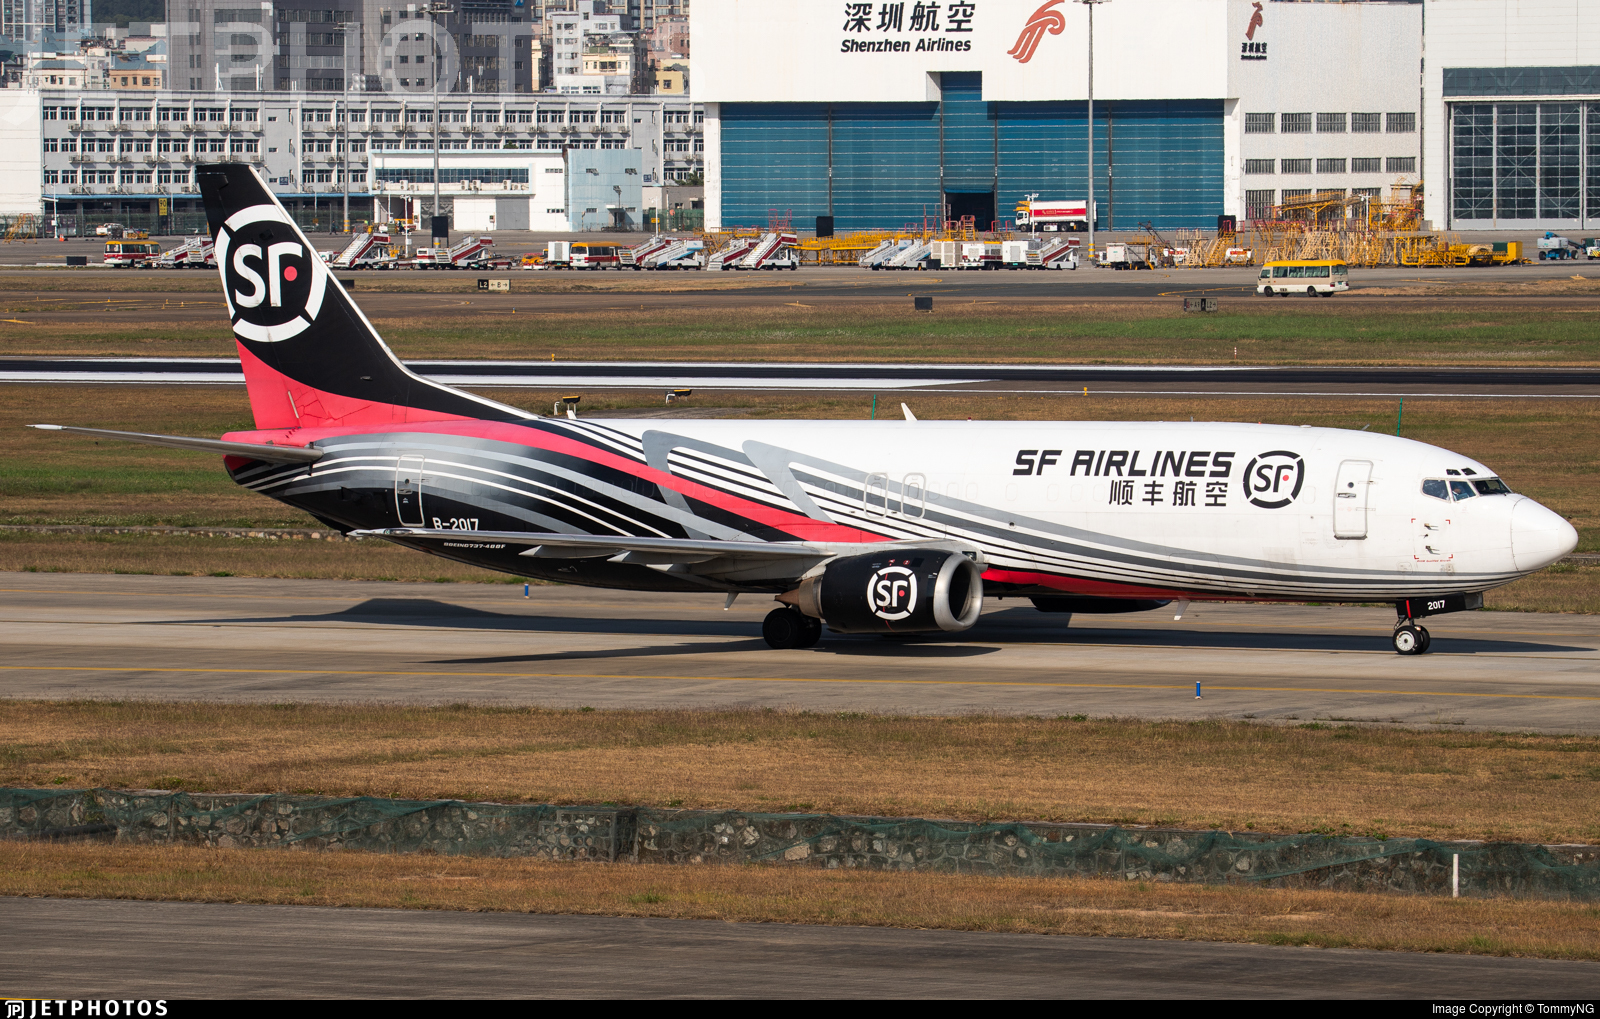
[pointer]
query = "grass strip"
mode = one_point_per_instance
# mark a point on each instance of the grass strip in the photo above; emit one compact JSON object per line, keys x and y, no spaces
{"x":1319,"y":776}
{"x":720,"y":329}
{"x":1505,"y":927}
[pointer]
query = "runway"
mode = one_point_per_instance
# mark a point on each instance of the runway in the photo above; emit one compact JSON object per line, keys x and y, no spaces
{"x":250,"y":640}
{"x":75,"y":948}
{"x":1575,"y":383}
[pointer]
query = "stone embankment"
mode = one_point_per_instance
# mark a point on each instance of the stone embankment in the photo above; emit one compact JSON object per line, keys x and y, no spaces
{"x":701,"y":837}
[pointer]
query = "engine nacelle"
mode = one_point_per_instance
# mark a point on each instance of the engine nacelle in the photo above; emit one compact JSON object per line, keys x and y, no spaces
{"x":895,"y":591}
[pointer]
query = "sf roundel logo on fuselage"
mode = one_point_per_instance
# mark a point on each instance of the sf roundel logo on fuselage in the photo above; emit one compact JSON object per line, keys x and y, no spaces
{"x":1273,"y":480}
{"x":892,"y":592}
{"x":273,"y":281}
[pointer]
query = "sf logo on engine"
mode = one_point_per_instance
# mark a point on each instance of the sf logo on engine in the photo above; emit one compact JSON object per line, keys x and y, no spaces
{"x":1273,"y":480}
{"x":273,"y":280}
{"x":892,"y":592}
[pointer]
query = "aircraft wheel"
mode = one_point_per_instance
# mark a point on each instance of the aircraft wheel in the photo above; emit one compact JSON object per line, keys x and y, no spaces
{"x":813,"y":631}
{"x":1427,"y":641}
{"x":1408,"y":640}
{"x":783,"y":629}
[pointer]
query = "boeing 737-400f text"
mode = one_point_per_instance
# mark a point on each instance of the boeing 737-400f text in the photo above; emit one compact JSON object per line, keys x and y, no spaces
{"x":887,"y":526}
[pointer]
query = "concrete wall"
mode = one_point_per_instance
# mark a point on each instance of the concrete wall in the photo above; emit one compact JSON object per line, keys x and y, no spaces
{"x":20,"y":148}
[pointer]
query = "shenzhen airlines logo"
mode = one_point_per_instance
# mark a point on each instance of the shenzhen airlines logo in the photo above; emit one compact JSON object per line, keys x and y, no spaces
{"x":892,"y":592}
{"x":1042,"y":20}
{"x":274,"y":283}
{"x":1250,"y":49}
{"x":1273,"y":480}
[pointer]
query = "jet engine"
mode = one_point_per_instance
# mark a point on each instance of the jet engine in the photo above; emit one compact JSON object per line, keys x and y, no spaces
{"x":903,"y":590}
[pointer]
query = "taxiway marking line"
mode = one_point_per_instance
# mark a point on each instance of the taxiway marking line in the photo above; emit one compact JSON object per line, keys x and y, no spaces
{"x":784,"y":679}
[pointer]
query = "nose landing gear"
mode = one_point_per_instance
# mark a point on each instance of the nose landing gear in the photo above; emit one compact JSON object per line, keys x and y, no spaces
{"x":1411,"y":639}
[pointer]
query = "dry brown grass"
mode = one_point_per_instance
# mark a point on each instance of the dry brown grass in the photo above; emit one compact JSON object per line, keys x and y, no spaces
{"x":1508,"y":927}
{"x":184,"y":556}
{"x":1218,"y":774}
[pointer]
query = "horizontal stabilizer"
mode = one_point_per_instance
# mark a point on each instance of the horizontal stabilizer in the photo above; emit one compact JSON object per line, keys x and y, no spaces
{"x":255,"y":451}
{"x":658,"y":551}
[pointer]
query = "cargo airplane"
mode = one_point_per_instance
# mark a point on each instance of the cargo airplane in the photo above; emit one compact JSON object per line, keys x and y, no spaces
{"x":893,"y":527}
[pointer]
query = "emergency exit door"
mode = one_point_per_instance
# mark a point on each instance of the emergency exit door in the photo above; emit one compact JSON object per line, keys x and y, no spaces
{"x":408,"y":482}
{"x":1350,"y":499}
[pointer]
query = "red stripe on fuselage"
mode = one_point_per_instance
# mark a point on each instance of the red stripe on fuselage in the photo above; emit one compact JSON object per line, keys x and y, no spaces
{"x":802,"y":527}
{"x":278,"y":401}
{"x":1101,"y":588}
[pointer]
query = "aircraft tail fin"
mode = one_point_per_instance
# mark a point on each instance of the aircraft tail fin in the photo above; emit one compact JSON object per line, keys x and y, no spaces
{"x":311,"y":359}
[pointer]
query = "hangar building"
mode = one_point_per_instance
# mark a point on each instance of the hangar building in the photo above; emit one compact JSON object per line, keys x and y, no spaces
{"x":885,"y":114}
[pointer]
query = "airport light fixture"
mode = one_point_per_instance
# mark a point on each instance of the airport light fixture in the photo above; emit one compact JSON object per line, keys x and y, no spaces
{"x":1089,"y":202}
{"x":432,"y":10}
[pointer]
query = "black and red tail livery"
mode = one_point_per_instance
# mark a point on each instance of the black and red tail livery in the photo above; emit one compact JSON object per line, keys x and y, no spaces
{"x":311,"y":359}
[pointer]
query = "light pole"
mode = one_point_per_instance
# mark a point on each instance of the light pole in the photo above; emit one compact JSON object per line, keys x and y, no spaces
{"x":433,"y":10}
{"x":1090,"y":208}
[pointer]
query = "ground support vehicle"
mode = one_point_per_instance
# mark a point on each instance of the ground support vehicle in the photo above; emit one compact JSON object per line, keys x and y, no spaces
{"x":635,"y":257}
{"x":913,"y":256}
{"x":594,"y":256}
{"x":978,"y":255}
{"x":131,"y":253}
{"x":193,"y":253}
{"x":775,"y":250}
{"x":1554,"y":247}
{"x":1019,"y":254}
{"x":365,"y":251}
{"x":1311,"y":277}
{"x":1060,"y":253}
{"x":1122,"y":256}
{"x":472,"y":253}
{"x":885,"y":253}
{"x":728,"y":256}
{"x":1033,"y":215}
{"x":557,"y":255}
{"x":680,"y":254}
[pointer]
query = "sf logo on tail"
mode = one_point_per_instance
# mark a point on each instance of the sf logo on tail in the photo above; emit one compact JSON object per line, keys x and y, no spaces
{"x":892,"y":592}
{"x":273,"y":281}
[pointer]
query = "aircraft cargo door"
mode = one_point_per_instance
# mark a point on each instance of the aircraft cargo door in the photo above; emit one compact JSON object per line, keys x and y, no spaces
{"x":408,"y":481}
{"x":1350,"y":499}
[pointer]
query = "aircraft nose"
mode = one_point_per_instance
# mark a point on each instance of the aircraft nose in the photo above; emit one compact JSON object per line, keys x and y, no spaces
{"x":1539,"y":536}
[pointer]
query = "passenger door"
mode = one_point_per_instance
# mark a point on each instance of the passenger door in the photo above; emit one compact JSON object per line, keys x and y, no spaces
{"x":408,"y":482}
{"x":1350,"y":499}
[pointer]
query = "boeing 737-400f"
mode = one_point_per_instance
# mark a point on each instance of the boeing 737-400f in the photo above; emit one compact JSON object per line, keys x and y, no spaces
{"x":870,"y":527}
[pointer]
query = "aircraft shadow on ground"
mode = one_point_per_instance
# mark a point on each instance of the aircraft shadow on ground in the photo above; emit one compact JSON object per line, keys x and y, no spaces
{"x":1007,"y":626}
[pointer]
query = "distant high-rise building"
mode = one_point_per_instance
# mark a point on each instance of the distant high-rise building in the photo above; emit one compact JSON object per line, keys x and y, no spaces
{"x":44,"y":21}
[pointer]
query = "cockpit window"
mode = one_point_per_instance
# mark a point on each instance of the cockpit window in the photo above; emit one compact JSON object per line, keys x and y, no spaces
{"x":1462,"y":490}
{"x":1436,"y":488}
{"x":1492,"y":486}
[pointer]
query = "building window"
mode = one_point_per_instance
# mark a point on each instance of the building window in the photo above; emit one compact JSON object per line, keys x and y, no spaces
{"x":1291,"y":193}
{"x":1296,"y":123}
{"x":1296,"y":166}
{"x":52,"y":177}
{"x":1366,"y":165}
{"x":1402,"y":164}
{"x":1259,"y":123}
{"x":1330,"y":166}
{"x":1330,"y":123}
{"x":1258,"y":204}
{"x":1401,"y":123}
{"x":1260,"y":166}
{"x":1367,"y":192}
{"x":1366,"y":123}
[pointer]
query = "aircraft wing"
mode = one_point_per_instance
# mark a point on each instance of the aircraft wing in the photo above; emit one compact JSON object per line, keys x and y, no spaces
{"x":255,"y":451}
{"x":641,"y":551}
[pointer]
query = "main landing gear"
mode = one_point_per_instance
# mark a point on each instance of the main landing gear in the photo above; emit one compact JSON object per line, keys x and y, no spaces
{"x":786,"y":628}
{"x":1411,"y":639}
